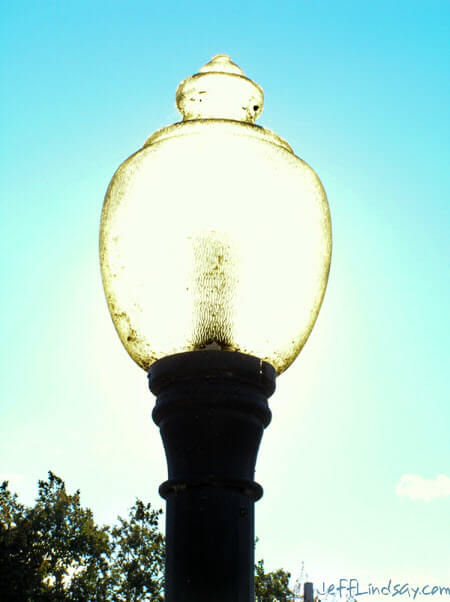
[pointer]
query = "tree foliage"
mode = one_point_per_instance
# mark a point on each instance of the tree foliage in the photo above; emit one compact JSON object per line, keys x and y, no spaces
{"x":137,"y":550}
{"x":272,"y":586}
{"x":54,"y":551}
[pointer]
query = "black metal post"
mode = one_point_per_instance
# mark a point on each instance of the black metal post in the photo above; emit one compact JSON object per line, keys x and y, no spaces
{"x":308,"y":592}
{"x":211,"y":409}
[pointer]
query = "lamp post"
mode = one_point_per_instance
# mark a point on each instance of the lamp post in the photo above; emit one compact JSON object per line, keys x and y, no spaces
{"x":215,"y":249}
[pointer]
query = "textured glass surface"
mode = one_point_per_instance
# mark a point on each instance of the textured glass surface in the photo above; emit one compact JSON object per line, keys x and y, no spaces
{"x":215,"y":235}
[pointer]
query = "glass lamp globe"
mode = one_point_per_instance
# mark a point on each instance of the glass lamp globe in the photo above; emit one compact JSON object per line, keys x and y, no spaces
{"x":215,"y":235}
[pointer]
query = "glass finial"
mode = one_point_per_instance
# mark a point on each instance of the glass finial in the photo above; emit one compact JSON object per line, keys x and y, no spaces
{"x":220,"y":90}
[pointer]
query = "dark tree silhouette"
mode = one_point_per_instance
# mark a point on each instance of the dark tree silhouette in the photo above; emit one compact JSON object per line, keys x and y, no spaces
{"x":54,"y":551}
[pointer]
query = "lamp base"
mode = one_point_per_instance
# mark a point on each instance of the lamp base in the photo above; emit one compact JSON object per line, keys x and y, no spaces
{"x":211,"y":409}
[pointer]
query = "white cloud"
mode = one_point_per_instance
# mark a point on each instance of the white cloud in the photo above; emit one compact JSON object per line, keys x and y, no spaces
{"x":418,"y":488}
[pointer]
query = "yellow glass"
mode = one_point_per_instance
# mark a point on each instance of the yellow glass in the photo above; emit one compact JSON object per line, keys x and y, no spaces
{"x":214,"y":234}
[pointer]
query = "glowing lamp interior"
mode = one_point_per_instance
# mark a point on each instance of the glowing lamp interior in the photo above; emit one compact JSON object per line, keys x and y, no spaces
{"x":214,"y":234}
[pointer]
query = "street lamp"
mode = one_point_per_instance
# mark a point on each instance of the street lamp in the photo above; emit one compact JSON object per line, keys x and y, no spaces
{"x":215,"y":248}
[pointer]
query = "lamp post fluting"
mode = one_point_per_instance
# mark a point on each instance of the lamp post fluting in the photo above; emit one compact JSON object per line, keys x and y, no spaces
{"x":215,"y":248}
{"x":211,"y":408}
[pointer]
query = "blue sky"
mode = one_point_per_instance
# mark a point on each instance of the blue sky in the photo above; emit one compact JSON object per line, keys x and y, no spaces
{"x":361,"y":92}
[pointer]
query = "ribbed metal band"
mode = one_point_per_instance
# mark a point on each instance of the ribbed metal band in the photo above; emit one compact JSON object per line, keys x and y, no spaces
{"x":252,"y":490}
